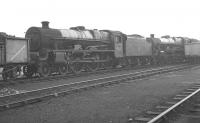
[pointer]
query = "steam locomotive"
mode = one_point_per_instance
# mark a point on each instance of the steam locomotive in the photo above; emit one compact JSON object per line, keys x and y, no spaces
{"x":45,"y":50}
{"x":72,"y":50}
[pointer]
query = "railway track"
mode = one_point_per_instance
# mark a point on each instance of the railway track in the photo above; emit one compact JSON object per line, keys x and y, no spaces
{"x":62,"y":77}
{"x":183,"y":108}
{"x":28,"y":97}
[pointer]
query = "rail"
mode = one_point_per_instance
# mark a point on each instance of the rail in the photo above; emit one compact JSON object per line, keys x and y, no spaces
{"x":163,"y":114}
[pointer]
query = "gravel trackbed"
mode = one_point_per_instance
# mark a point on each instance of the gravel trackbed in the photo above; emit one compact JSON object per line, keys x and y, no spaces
{"x":113,"y":104}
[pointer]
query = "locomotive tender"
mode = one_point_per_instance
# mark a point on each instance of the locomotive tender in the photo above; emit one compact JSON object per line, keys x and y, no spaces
{"x":192,"y":51}
{"x":14,"y":53}
{"x":45,"y":50}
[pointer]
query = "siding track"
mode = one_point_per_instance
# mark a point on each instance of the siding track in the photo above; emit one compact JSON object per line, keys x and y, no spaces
{"x":29,"y":97}
{"x":183,"y":106}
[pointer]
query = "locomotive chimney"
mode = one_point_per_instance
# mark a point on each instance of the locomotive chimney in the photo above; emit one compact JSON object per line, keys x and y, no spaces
{"x":152,"y":35}
{"x":45,"y":24}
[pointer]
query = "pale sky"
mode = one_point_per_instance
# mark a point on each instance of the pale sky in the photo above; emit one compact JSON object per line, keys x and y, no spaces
{"x":144,"y":17}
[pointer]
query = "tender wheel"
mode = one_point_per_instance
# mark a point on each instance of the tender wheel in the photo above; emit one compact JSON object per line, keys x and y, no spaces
{"x":76,"y":67}
{"x":63,"y":69}
{"x":13,"y":73}
{"x":9,"y":72}
{"x":139,"y":62}
{"x":4,"y":73}
{"x":44,"y":69}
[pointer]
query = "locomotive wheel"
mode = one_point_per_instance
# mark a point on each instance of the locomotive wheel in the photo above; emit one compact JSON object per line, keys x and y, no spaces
{"x":44,"y":69}
{"x":9,"y":72}
{"x":76,"y":67}
{"x":102,"y":65}
{"x":4,"y":74}
{"x":63,"y":69}
{"x":139,"y":62}
{"x":28,"y":71}
{"x":94,"y":66}
{"x":13,"y":73}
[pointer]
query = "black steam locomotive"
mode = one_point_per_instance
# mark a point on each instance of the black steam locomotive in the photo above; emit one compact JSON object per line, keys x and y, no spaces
{"x":72,"y":50}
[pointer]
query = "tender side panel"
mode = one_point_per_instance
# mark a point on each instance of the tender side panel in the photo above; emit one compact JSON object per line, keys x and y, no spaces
{"x":138,"y":47}
{"x":2,"y":54}
{"x":192,"y":49}
{"x":16,"y":51}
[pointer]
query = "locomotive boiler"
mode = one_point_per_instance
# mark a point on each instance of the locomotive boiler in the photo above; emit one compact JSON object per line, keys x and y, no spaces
{"x":72,"y":50}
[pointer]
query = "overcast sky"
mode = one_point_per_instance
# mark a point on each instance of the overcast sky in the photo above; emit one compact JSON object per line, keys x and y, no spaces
{"x":144,"y":17}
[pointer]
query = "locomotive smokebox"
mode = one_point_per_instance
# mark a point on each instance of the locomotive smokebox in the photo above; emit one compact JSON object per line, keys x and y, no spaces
{"x":45,"y":24}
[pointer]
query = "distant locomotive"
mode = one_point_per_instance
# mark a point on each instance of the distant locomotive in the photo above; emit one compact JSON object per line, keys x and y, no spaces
{"x":45,"y":51}
{"x":168,"y":49}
